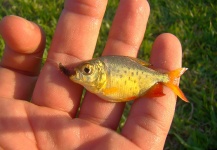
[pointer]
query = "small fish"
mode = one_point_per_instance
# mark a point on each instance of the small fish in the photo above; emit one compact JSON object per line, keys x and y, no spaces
{"x":122,"y":78}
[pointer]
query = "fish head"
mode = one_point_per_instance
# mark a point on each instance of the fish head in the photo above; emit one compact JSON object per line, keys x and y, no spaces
{"x":91,"y":74}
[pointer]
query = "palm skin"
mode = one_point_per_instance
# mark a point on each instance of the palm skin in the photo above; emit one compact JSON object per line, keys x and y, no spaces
{"x":49,"y":121}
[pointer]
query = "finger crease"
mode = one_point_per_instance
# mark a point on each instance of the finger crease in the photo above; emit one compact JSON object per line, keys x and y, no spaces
{"x":71,"y":56}
{"x":132,"y":46}
{"x":25,"y":73}
{"x":82,"y":8}
{"x":33,"y":131}
{"x":150,"y":124}
{"x":97,"y":120}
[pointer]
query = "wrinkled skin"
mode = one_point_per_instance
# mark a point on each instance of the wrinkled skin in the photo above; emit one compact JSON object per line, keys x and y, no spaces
{"x":48,"y":121}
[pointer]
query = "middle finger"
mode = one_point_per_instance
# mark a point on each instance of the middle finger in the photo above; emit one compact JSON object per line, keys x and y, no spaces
{"x":125,"y":38}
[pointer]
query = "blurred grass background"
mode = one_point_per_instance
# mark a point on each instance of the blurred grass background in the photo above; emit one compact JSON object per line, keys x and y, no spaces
{"x":194,"y":22}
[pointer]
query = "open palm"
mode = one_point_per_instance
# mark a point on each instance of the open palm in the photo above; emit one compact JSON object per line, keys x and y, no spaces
{"x":49,"y":121}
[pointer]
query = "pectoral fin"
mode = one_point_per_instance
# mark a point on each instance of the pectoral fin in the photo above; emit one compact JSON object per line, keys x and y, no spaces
{"x":110,"y":91}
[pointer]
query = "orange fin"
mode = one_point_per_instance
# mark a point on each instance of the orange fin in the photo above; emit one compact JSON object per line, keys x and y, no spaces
{"x":155,"y":91}
{"x":175,"y":74}
{"x":177,"y":91}
{"x":130,"y":98}
{"x":173,"y":83}
{"x":109,"y":91}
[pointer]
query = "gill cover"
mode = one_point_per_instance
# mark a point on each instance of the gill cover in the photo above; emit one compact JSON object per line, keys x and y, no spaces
{"x":90,"y":74}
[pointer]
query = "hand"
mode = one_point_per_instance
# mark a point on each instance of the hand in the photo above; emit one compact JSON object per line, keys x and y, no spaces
{"x":49,"y":121}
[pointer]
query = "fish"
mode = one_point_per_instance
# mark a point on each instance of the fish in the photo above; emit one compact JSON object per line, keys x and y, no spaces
{"x":123,"y":78}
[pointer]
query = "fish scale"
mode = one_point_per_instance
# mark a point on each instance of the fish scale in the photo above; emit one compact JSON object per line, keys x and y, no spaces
{"x":122,"y":78}
{"x":130,"y":78}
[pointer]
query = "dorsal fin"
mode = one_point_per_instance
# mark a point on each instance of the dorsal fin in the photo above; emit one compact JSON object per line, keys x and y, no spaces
{"x":141,"y":62}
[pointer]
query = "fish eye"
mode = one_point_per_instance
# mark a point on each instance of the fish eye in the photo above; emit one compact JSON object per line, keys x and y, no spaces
{"x":87,"y":69}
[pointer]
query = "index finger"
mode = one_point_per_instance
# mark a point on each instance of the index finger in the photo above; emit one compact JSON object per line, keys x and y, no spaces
{"x":74,"y":40}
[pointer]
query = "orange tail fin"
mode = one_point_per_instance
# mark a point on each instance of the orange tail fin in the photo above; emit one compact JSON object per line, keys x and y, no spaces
{"x":172,"y":84}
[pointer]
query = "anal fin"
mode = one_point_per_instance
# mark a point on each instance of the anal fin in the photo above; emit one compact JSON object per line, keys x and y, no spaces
{"x":155,"y":91}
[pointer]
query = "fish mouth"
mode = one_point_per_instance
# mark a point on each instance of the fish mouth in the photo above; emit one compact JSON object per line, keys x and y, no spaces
{"x":67,"y":71}
{"x":73,"y":73}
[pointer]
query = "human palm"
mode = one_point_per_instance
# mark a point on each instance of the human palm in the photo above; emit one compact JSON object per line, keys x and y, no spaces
{"x":49,"y":121}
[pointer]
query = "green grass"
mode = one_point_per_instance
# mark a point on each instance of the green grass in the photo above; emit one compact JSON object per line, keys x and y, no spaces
{"x":194,"y":22}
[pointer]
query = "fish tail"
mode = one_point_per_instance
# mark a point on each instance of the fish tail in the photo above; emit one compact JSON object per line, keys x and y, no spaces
{"x":173,"y":82}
